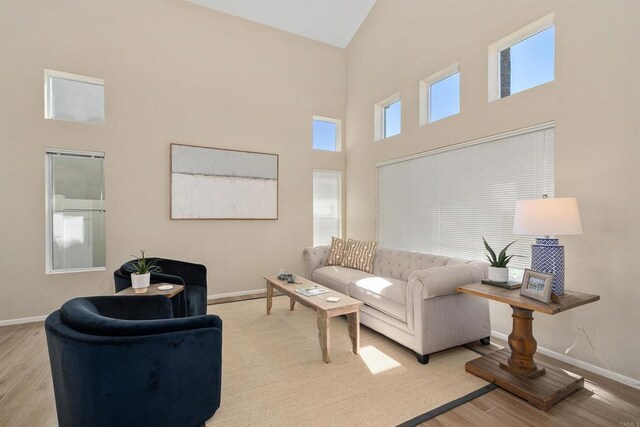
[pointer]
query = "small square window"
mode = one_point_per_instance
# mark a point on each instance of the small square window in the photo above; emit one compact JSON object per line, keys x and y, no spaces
{"x":326,"y":134}
{"x":440,"y":95}
{"x":74,"y":98}
{"x":528,"y":63}
{"x":444,"y":98}
{"x":388,"y":118}
{"x":523,"y":60}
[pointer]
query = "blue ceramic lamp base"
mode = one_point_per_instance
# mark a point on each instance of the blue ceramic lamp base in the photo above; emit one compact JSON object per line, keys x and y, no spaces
{"x":547,"y":256}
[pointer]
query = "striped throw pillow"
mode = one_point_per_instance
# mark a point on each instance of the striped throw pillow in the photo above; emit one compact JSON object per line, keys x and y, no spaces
{"x":336,"y":252}
{"x":359,"y":255}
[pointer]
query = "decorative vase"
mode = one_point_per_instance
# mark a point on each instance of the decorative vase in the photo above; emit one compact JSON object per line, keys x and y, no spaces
{"x":140,"y":282}
{"x":499,"y":274}
{"x":547,"y":256}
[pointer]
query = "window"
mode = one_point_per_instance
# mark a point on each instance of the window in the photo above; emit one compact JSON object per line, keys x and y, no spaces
{"x":327,"y":206}
{"x":444,"y":201}
{"x":387,"y":118}
{"x":440,"y":95}
{"x":75,"y":211}
{"x":73,"y":98}
{"x":522,"y":60}
{"x":327,"y":134}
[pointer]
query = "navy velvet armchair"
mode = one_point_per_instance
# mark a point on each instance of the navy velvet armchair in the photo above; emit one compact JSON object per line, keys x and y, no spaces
{"x":125,"y":361}
{"x":192,"y":276}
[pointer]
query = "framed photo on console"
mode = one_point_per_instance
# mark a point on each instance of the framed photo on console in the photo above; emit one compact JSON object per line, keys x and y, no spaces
{"x":537,"y":285}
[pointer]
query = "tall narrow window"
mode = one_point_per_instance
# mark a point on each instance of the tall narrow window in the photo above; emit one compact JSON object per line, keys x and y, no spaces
{"x":522,"y":60}
{"x":440,"y":95}
{"x":72,"y":97}
{"x":326,"y":134}
{"x":388,"y":118}
{"x":327,"y":206}
{"x":75,"y":211}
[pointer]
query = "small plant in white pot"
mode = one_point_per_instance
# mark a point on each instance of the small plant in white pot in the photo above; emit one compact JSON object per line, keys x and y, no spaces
{"x":141,"y":277}
{"x":498,"y":270}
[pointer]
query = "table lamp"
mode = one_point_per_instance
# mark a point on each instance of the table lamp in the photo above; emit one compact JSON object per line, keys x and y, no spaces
{"x":548,"y":217}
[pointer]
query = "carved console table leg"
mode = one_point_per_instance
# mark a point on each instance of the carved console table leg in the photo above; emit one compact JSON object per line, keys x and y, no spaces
{"x":523,"y":345}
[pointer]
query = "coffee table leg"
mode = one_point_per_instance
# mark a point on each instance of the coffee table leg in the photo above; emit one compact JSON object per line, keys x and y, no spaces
{"x":324,"y":334}
{"x":269,"y":297}
{"x":354,"y":330}
{"x":292,"y":303}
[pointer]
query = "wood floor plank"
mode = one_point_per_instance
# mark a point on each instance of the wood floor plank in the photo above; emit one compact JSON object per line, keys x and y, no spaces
{"x":485,"y":402}
{"x":518,"y":407}
{"x":479,"y":417}
{"x":505,"y":416}
{"x":452,"y":419}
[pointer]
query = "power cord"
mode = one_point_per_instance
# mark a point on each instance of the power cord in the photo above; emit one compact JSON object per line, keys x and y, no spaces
{"x":581,"y":329}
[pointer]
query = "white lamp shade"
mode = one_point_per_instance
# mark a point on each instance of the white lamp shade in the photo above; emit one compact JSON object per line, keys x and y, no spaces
{"x":547,"y":217}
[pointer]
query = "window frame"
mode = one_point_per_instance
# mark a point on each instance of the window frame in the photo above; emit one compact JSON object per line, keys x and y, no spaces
{"x":48,"y":92}
{"x":379,"y":121}
{"x":338,"y":124}
{"x":425,"y":92}
{"x":340,"y":173}
{"x":49,"y":208}
{"x":516,"y":37}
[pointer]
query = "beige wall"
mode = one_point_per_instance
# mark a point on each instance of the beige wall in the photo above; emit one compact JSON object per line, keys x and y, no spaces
{"x":174,"y":72}
{"x":594,"y":101}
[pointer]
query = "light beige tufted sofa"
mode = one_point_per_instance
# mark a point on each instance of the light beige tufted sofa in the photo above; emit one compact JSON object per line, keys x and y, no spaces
{"x":411,"y":297}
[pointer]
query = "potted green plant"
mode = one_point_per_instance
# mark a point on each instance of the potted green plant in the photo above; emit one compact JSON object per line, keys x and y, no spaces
{"x":498,"y":270}
{"x":141,"y":277}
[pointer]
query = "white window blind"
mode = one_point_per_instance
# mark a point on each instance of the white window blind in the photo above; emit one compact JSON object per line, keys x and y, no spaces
{"x":444,"y":202}
{"x":327,"y":206}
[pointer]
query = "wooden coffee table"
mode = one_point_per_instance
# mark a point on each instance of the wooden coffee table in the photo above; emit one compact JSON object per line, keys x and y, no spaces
{"x":325,"y":310}
{"x":540,"y":384}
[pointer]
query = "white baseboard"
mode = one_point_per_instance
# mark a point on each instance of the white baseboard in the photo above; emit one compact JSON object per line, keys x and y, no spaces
{"x":211,"y":298}
{"x":580,"y":364}
{"x":23,"y":320}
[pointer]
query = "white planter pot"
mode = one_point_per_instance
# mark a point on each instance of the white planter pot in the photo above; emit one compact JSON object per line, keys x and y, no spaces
{"x":499,"y":274}
{"x":140,"y":281}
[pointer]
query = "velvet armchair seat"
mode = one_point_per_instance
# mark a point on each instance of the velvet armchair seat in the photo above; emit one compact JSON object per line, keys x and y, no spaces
{"x":192,"y":276}
{"x":125,"y":361}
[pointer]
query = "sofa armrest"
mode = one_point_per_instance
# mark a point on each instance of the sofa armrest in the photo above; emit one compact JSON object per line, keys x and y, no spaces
{"x":314,"y":258}
{"x":441,"y":281}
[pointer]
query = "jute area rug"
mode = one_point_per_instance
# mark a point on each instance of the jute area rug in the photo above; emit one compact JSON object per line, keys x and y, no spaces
{"x":273,"y":374}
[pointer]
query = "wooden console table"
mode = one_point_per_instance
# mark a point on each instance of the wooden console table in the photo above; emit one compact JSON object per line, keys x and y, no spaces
{"x":516,"y":371}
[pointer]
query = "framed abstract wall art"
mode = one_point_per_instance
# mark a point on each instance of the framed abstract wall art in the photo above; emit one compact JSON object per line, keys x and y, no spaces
{"x":216,"y":183}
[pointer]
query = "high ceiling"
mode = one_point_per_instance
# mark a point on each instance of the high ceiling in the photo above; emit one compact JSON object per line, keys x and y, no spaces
{"x":329,"y":21}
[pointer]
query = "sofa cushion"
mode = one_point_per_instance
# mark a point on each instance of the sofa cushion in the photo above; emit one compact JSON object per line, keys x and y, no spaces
{"x":359,"y":255}
{"x":338,"y":278}
{"x":336,"y":252}
{"x":382,"y":293}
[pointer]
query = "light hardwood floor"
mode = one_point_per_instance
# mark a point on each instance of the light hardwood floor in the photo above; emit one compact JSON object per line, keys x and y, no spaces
{"x":26,"y":393}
